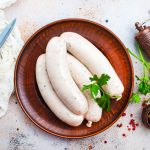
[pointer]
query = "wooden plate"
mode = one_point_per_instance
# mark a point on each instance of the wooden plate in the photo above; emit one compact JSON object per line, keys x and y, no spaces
{"x":27,"y":91}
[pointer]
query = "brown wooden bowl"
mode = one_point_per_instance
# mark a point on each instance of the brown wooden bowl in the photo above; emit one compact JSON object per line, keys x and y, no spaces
{"x":27,"y":91}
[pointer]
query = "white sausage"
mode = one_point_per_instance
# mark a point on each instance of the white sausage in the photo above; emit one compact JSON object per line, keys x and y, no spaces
{"x":81,"y":76}
{"x":94,"y":60}
{"x":60,"y":77}
{"x":51,"y":99}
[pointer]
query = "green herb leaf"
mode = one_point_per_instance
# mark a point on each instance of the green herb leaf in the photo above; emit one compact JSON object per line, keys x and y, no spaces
{"x":106,"y":104}
{"x":144,"y":88}
{"x":104,"y":101}
{"x":86,"y":87}
{"x":99,"y":102}
{"x":144,"y":84}
{"x":94,"y":78}
{"x":103,"y":79}
{"x":96,"y":87}
{"x":135,"y":98}
{"x":94,"y":90}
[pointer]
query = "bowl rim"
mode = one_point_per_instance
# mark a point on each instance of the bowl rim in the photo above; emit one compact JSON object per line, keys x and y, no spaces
{"x":16,"y":68}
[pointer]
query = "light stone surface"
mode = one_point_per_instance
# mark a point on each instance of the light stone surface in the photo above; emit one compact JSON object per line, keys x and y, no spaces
{"x":121,"y":16}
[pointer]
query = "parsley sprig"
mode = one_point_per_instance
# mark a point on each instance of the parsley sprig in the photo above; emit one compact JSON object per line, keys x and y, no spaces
{"x":95,"y":87}
{"x":144,"y":85}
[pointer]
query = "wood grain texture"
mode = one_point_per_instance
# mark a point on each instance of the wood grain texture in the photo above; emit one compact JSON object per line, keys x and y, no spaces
{"x":25,"y":82}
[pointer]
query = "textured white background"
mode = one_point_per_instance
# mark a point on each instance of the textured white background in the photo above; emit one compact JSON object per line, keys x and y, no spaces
{"x":121,"y":16}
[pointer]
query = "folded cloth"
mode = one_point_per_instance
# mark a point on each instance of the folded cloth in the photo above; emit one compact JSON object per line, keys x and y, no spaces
{"x":6,"y":3}
{"x":9,"y":53}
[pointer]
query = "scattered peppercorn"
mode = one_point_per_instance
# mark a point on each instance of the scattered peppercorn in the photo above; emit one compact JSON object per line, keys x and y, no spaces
{"x":131,"y":115}
{"x":123,"y":114}
{"x":133,"y":124}
{"x":106,"y":20}
{"x":129,"y":129}
{"x":119,"y":125}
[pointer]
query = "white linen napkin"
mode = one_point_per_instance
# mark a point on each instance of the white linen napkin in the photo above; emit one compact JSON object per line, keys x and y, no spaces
{"x":9,"y":52}
{"x":6,"y":3}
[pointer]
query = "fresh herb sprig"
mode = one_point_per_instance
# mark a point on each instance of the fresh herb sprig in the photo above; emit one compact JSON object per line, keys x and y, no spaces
{"x":95,"y":87}
{"x":144,"y":85}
